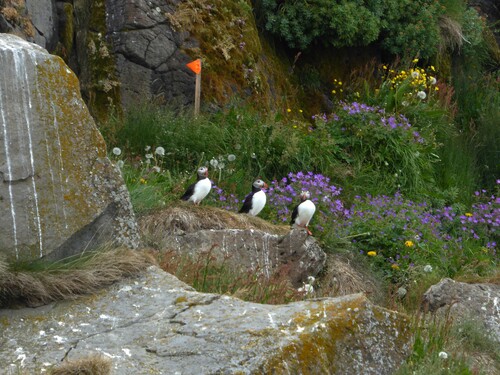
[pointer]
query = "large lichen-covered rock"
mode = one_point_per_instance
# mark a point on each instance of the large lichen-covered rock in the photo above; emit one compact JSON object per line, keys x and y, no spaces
{"x":59,"y":193}
{"x":159,"y":325}
{"x":258,"y":246}
{"x":463,"y":301}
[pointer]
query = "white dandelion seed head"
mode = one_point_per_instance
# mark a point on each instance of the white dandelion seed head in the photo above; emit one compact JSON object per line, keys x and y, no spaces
{"x":147,"y":148}
{"x":117,"y":151}
{"x":149,"y":156}
{"x":428,"y":268}
{"x":157,"y":169}
{"x":405,"y":103}
{"x":120,"y":163}
{"x":160,"y":151}
{"x":432,"y":80}
{"x":421,"y":95}
{"x":231,"y":157}
{"x":214,"y":163}
{"x":443,"y":355}
{"x":415,"y":74}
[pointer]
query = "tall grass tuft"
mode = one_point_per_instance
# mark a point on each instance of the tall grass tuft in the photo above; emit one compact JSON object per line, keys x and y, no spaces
{"x":91,"y":365}
{"x":40,"y":282}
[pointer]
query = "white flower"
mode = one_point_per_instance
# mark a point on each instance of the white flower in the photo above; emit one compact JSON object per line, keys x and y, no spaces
{"x":443,"y":355}
{"x":253,"y":155}
{"x":432,"y":80}
{"x":308,"y":288}
{"x":415,"y":74}
{"x":160,"y":151}
{"x":405,"y":103}
{"x":147,"y":148}
{"x":120,"y":163}
{"x":221,"y":165}
{"x":421,"y":95}
{"x":157,"y":169}
{"x":428,"y":268}
{"x":149,"y":156}
{"x":117,"y":151}
{"x":231,"y":157}
{"x":214,"y":163}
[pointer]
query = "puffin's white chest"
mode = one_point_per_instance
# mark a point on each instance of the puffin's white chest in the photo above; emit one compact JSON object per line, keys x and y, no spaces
{"x":201,"y":190}
{"x":306,"y":212}
{"x":258,"y":203}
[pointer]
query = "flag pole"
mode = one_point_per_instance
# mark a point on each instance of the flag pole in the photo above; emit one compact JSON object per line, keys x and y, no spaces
{"x":195,"y":66}
{"x":197,"y":94}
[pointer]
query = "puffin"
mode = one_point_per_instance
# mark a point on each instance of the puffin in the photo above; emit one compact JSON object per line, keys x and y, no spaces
{"x":256,"y":200}
{"x":200,"y":189}
{"x":303,"y":212}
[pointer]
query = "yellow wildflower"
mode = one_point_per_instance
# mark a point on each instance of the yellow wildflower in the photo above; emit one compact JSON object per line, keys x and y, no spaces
{"x":143,"y":181}
{"x":415,"y":60}
{"x":395,"y":266}
{"x":384,"y":67}
{"x":334,"y":92}
{"x":468,"y":214}
{"x":301,"y":111}
{"x":371,"y":253}
{"x":288,"y":110}
{"x":409,"y":243}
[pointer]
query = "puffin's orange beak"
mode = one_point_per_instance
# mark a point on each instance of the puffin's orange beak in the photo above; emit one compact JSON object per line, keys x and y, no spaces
{"x":265,"y":185}
{"x":206,"y":173}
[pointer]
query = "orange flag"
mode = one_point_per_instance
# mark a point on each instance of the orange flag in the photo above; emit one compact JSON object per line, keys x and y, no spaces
{"x":195,"y":66}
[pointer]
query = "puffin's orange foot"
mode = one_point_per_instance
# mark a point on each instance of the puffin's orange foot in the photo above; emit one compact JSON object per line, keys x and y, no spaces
{"x":308,"y":231}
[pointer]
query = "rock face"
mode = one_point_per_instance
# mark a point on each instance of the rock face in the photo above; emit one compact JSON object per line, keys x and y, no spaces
{"x":59,"y":193}
{"x":478,"y":302}
{"x":44,"y":18}
{"x":258,"y":250}
{"x":149,"y":60}
{"x":260,"y":247}
{"x":158,"y":325}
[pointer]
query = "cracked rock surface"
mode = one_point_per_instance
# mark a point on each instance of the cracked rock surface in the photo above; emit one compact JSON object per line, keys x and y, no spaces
{"x":479,"y":302}
{"x":156,"y":324}
{"x":150,"y":61}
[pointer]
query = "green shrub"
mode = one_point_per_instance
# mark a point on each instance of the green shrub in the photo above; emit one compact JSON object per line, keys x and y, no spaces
{"x":405,"y":27}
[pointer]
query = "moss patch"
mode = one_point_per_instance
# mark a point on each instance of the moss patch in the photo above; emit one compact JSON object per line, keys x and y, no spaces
{"x":332,"y":332}
{"x":235,"y":59}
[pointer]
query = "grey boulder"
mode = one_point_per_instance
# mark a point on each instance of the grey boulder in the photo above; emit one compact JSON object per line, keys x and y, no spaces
{"x":158,"y":325}
{"x":477,"y":302}
{"x":59,"y":193}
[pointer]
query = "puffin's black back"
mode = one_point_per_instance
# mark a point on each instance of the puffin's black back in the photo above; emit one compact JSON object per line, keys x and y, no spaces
{"x":247,"y":205}
{"x":189,"y":192}
{"x":190,"y":189}
{"x":295,"y":213}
